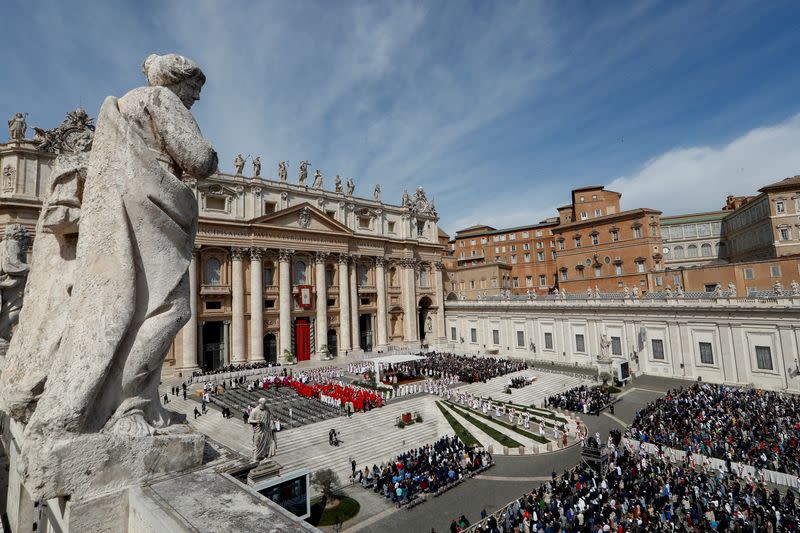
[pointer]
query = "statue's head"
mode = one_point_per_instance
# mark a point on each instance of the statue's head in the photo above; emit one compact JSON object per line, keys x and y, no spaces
{"x":262,"y":402}
{"x":177,"y":73}
{"x":16,"y":232}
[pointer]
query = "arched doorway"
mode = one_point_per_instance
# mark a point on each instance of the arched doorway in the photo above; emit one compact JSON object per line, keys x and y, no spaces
{"x":425,"y":318}
{"x":270,"y":348}
{"x":333,"y":348}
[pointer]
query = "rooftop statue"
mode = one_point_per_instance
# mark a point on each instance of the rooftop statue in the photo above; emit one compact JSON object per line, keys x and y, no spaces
{"x":257,"y":167}
{"x":17,"y":126}
{"x":238,"y":164}
{"x":376,"y":193}
{"x":302,"y":173}
{"x":338,"y":184}
{"x":129,"y":294}
{"x":282,"y":172}
{"x":317,"y":179}
{"x":351,"y":186}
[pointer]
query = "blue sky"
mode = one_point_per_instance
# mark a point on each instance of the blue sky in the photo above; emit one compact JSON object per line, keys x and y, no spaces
{"x":498,"y":109}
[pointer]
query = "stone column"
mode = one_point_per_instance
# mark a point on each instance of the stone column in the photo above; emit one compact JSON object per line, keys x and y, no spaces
{"x":322,"y":301}
{"x":238,"y":354}
{"x":285,"y":302}
{"x":380,"y":285}
{"x":354,"y":325}
{"x":189,"y":331}
{"x":438,"y":286}
{"x":226,"y":337}
{"x":344,"y":305}
{"x":256,"y":306}
{"x":408,"y":287}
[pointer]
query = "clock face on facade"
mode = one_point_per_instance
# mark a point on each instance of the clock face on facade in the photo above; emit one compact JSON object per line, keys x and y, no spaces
{"x":665,"y":250}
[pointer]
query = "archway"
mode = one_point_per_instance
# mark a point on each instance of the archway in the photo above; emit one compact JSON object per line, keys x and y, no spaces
{"x":270,"y":348}
{"x":425,"y":318}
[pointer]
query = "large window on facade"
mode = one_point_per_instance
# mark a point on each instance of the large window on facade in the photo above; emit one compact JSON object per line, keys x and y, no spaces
{"x":548,"y":340}
{"x":521,"y":339}
{"x":692,"y":250}
{"x":658,"y":348}
{"x":453,"y":333}
{"x":268,"y":276}
{"x":300,"y":273}
{"x":764,"y":358}
{"x":678,"y":252}
{"x":616,"y":346}
{"x":580,"y":343}
{"x":473,"y":335}
{"x":423,"y":278}
{"x":496,"y":336}
{"x":705,"y":250}
{"x":706,"y":353}
{"x":363,"y":276}
{"x":213,"y":274}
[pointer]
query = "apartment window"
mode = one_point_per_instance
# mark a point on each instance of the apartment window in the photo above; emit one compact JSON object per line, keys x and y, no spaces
{"x":497,"y":249}
{"x":521,"y":339}
{"x":614,"y":235}
{"x":618,"y":269}
{"x":269,"y":207}
{"x":423,"y":277}
{"x":420,"y":228}
{"x":658,"y":264}
{"x":527,"y":258}
{"x":503,"y":249}
{"x":542,"y":280}
{"x":775,"y":271}
{"x":539,"y":245}
{"x":640,"y":267}
{"x":692,"y":250}
{"x":676,"y":279}
{"x":514,"y":248}
{"x":496,"y":336}
{"x":553,"y":255}
{"x":580,"y":344}
{"x":577,"y":242}
{"x":363,"y":222}
{"x":563,"y":275}
{"x":678,"y":252}
{"x":584,"y":215}
{"x":513,"y":259}
{"x":484,"y":240}
{"x":659,"y":281}
{"x":213,"y":271}
{"x":472,"y":253}
{"x":637,"y":232}
{"x":529,"y":281}
{"x":706,"y":353}
{"x":472,"y":242}
{"x":526,"y":246}
{"x":473,"y":335}
{"x":598,"y":271}
{"x":616,"y":345}
{"x":472,"y":284}
{"x":548,"y":341}
{"x":594,"y":197}
{"x":598,"y":212}
{"x":748,"y":273}
{"x":452,"y":333}
{"x":583,"y":199}
{"x":538,"y":233}
{"x":784,"y":234}
{"x":512,"y":237}
{"x":215,"y":203}
{"x":494,"y":283}
{"x":763,"y":358}
{"x":595,"y":239}
{"x":658,"y":348}
{"x":390,"y":227}
{"x":502,"y":238}
{"x":705,"y":250}
{"x":515,"y":282}
{"x":561,"y":245}
{"x":780,"y":207}
{"x":268,"y":272}
{"x":540,"y":256}
{"x":524,"y":234}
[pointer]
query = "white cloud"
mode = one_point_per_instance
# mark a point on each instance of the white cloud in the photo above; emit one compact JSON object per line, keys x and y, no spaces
{"x":686,"y":180}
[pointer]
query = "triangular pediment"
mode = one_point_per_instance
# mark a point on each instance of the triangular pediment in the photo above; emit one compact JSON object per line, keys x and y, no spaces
{"x":302,"y":217}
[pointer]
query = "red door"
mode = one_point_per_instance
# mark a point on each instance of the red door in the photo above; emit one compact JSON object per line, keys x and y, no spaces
{"x":302,"y":339}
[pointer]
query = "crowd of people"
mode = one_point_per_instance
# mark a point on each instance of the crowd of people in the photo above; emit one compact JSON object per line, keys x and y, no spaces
{"x":520,"y":381}
{"x":235,"y":368}
{"x":755,"y":427}
{"x":644,"y":492}
{"x":429,"y":469}
{"x":583,"y":399}
{"x":453,"y":368}
{"x":349,"y":398}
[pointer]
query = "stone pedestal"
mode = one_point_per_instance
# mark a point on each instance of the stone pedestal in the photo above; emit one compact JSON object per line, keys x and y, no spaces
{"x":263,"y":470}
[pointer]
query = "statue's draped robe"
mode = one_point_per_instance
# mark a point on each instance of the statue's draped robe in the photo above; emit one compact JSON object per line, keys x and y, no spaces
{"x":263,"y":439}
{"x":131,"y":295}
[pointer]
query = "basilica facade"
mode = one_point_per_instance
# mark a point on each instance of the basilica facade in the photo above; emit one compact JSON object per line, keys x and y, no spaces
{"x":283,"y":270}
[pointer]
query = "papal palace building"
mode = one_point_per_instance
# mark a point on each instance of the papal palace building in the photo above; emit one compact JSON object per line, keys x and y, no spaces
{"x":285,"y":268}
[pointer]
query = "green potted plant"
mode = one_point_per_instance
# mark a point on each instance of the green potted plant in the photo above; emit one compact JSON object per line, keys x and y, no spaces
{"x":288,"y":356}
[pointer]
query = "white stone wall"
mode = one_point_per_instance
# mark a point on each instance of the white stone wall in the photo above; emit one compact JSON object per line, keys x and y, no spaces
{"x":732,"y":327}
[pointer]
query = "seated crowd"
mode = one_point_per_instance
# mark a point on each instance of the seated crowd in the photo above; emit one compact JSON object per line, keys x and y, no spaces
{"x":755,"y":427}
{"x":235,"y":368}
{"x":454,"y":368}
{"x":345,"y":396}
{"x":647,"y":493}
{"x":581,"y":399}
{"x":520,"y":381}
{"x":430,"y":469}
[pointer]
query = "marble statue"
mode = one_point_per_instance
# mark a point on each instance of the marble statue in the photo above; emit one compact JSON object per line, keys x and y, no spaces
{"x":588,"y":292}
{"x":406,"y":199}
{"x":128,"y":297}
{"x":238,"y":164}
{"x":351,"y":186}
{"x":679,"y":290}
{"x":563,"y":293}
{"x":376,"y":193}
{"x":338,"y":184}
{"x":668,"y":290}
{"x":302,"y":173}
{"x":429,"y":324}
{"x":635,"y":292}
{"x":13,"y":273}
{"x":264,"y":441}
{"x":596,"y":292}
{"x":731,"y":289}
{"x":604,"y":346}
{"x":283,"y":173}
{"x":718,"y":290}
{"x":257,"y":167}
{"x":317,"y":180}
{"x":626,"y":292}
{"x":795,"y":288}
{"x":17,"y":127}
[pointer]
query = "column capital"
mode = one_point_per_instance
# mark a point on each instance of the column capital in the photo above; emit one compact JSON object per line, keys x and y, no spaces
{"x":439,"y":265}
{"x":257,"y":253}
{"x":407,"y":262}
{"x":344,"y":259}
{"x":237,"y":253}
{"x":380,"y":261}
{"x":285,"y":254}
{"x":321,"y":257}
